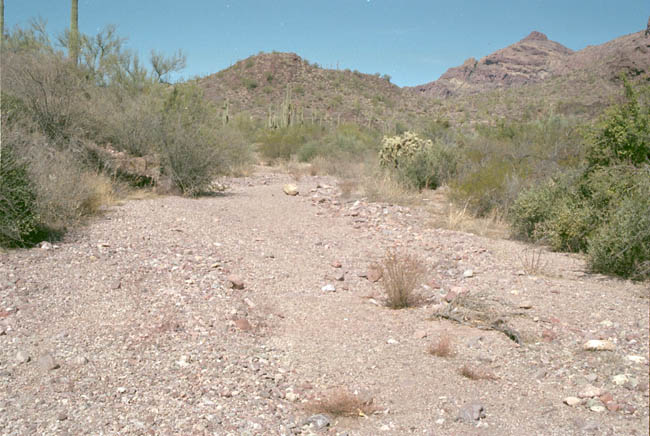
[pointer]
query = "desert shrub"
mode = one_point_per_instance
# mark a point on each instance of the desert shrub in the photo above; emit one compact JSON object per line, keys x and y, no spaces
{"x":623,"y":135}
{"x":284,"y":142}
{"x":341,"y":402}
{"x":189,"y":148}
{"x":621,"y":243}
{"x":402,"y":273}
{"x":428,"y":168}
{"x":17,"y":199}
{"x":344,"y":142}
{"x":604,"y":208}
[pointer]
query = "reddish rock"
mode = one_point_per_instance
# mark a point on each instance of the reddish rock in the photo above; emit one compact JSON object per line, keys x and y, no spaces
{"x":243,"y":324}
{"x":548,"y":335}
{"x":374,"y":273}
{"x":606,"y":397}
{"x":336,"y":264}
{"x":235,"y":282}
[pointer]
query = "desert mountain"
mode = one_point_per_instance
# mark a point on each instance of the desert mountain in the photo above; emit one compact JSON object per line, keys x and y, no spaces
{"x":536,"y":58}
{"x":262,"y":83}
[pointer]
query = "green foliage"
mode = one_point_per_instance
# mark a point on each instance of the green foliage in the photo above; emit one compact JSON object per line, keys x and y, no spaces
{"x":347,"y":141}
{"x":621,"y":244}
{"x":249,"y":83}
{"x":603,"y":210}
{"x":284,"y":142}
{"x":429,"y":167}
{"x":17,"y":199}
{"x":623,"y":135}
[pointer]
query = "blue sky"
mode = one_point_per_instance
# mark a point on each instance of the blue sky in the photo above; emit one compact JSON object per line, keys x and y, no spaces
{"x":412,"y":41}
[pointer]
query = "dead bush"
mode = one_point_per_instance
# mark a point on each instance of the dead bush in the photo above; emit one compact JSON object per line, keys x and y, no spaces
{"x":341,"y":402}
{"x":476,"y":373}
{"x":402,"y":273}
{"x":442,"y":348}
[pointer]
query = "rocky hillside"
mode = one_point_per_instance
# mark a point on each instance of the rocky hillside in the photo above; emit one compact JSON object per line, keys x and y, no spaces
{"x":533,"y":78}
{"x":535,"y":59}
{"x":260,"y":83}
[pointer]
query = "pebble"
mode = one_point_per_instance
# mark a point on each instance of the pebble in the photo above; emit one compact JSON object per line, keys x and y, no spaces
{"x":374,"y":274}
{"x":392,"y":341}
{"x":47,"y":363}
{"x":291,"y":396}
{"x":80,"y":360}
{"x":635,"y":359}
{"x":328,"y":288}
{"x":620,"y":379}
{"x":471,"y":412}
{"x":22,"y":357}
{"x":290,"y":189}
{"x":590,"y":391}
{"x":599,"y":345}
{"x":235,"y":282}
{"x":318,"y":421}
{"x":340,"y":276}
{"x":572,"y":401}
{"x":526,"y":305}
{"x":336,"y":264}
{"x":595,"y":405}
{"x":468,"y":273}
{"x":243,"y":324}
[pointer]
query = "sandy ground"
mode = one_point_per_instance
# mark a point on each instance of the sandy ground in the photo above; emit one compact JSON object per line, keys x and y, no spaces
{"x":130,"y":326}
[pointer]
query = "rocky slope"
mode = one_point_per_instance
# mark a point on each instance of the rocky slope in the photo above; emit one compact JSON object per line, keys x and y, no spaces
{"x":535,"y":59}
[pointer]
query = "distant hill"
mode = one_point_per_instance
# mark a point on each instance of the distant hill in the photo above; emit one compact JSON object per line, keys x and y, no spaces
{"x":535,"y":59}
{"x":259,"y":84}
{"x":533,"y":78}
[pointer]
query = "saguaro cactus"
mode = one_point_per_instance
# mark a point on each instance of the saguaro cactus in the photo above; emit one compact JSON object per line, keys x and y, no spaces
{"x":74,"y":31}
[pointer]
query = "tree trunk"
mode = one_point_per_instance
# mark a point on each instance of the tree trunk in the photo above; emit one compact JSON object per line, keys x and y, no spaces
{"x":74,"y":31}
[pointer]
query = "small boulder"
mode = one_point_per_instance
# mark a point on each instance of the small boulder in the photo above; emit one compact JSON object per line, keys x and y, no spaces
{"x":290,"y":189}
{"x":572,"y":401}
{"x":243,"y":324}
{"x":236,"y":282}
{"x":22,"y":357}
{"x":47,"y":363}
{"x":471,"y":413}
{"x":328,"y":288}
{"x":599,"y":345}
{"x":590,"y":391}
{"x":318,"y":422}
{"x":374,"y":273}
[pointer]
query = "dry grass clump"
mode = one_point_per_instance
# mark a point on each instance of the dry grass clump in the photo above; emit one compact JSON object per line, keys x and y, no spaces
{"x":402,"y":273}
{"x":341,"y":402}
{"x":442,"y":348}
{"x":532,"y":260}
{"x":476,"y":373}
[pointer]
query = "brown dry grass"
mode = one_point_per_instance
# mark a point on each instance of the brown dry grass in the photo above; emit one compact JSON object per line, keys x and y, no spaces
{"x":532,"y":260}
{"x":476,"y":373}
{"x":402,"y":273}
{"x":442,"y":348}
{"x":341,"y":402}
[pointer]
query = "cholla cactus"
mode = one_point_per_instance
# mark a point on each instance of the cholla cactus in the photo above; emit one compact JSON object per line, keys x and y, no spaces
{"x":397,"y":148}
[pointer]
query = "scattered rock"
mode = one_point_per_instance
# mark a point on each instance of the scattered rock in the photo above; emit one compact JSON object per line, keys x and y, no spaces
{"x":374,"y":273}
{"x":80,"y":360}
{"x":572,"y":401}
{"x":235,"y":282}
{"x":328,"y":288}
{"x":335,"y":264}
{"x":47,"y":363}
{"x":243,"y":324}
{"x":471,"y":413}
{"x":420,"y":334}
{"x":468,"y":273}
{"x":591,"y":377}
{"x":61,"y":416}
{"x":599,"y":345}
{"x":290,"y":189}
{"x":526,"y":305}
{"x":45,"y":245}
{"x":595,"y":405}
{"x":620,"y":379}
{"x":636,"y":359}
{"x":317,"y":422}
{"x":590,"y":391}
{"x":22,"y":357}
{"x":392,"y":341}
{"x":291,"y":396}
{"x":340,"y":276}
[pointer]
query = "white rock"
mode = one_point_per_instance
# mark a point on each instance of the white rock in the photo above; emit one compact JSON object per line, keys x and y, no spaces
{"x":572,"y":401}
{"x":620,"y":379}
{"x":290,"y":189}
{"x":598,"y":345}
{"x":440,"y":421}
{"x":590,"y":391}
{"x":635,"y":359}
{"x":291,"y":396}
{"x":392,"y":341}
{"x":22,"y":357}
{"x":328,"y":288}
{"x":468,"y":273}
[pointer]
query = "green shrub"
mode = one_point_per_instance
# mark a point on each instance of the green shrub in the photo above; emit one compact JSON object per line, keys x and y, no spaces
{"x":428,"y":168}
{"x":17,"y":199}
{"x":397,"y":149}
{"x":347,"y":141}
{"x":284,"y":142}
{"x":623,"y":135}
{"x":621,"y":245}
